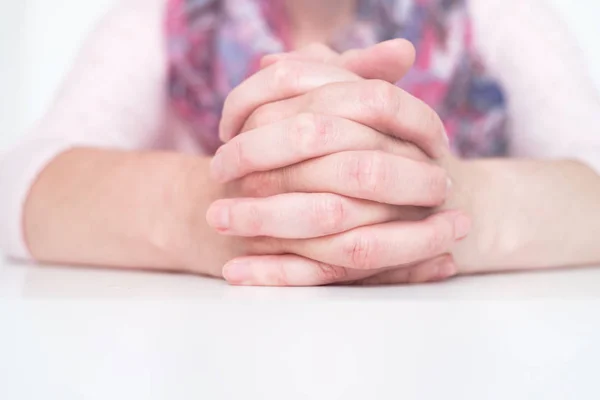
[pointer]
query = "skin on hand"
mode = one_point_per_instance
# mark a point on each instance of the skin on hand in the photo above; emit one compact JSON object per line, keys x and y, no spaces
{"x":362,"y":101}
{"x":311,"y":150}
{"x":388,"y":61}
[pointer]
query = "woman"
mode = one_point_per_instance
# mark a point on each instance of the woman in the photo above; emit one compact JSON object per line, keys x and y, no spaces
{"x":329,"y":173}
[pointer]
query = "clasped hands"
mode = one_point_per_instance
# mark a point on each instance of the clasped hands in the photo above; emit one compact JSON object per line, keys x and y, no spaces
{"x":332,"y":174}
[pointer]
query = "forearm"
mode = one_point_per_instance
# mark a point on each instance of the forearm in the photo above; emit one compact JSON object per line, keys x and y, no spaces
{"x":529,"y":214}
{"x":119,"y":209}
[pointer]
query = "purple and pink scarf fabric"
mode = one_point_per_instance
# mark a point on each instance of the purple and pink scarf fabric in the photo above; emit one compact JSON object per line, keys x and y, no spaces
{"x":214,"y":45}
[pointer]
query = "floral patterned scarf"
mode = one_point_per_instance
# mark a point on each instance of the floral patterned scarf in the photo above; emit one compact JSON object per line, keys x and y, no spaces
{"x":214,"y":45}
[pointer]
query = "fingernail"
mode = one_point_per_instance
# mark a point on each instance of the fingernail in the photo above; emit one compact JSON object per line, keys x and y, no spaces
{"x":238,"y":273}
{"x":462,"y":227}
{"x":219,"y":217}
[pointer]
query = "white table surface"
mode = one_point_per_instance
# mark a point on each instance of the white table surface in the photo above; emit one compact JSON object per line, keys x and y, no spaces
{"x":93,"y":334}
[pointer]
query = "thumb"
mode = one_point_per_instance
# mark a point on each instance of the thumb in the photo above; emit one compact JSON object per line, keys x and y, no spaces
{"x":388,"y":61}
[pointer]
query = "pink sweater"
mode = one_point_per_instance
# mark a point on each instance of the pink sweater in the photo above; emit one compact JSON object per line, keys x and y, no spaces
{"x":115,"y":96}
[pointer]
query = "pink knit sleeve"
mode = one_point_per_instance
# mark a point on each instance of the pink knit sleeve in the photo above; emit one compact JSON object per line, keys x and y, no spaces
{"x":553,"y":103}
{"x":113,"y":98}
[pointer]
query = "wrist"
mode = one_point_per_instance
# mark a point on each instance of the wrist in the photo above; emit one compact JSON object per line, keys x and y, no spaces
{"x":479,"y":189}
{"x":183,"y":233}
{"x":526,"y":214}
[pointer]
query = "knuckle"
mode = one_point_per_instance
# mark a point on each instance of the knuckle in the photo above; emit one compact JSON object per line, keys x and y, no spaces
{"x":392,"y":102}
{"x":368,"y":173}
{"x":286,"y":75}
{"x":302,"y":132}
{"x":385,"y":90}
{"x":361,"y":252}
{"x":367,"y":93}
{"x":312,"y":132}
{"x":330,"y":214}
{"x":379,"y":97}
{"x":330,"y":273}
{"x":263,"y":116}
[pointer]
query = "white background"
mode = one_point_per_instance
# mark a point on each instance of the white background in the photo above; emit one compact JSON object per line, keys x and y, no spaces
{"x":38,"y":39}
